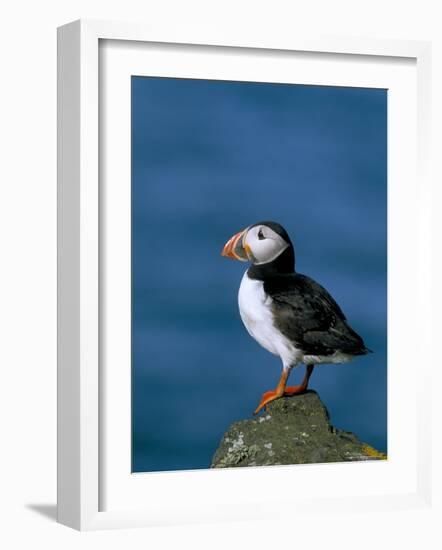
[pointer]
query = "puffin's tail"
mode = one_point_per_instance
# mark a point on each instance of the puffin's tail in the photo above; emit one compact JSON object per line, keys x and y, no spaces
{"x":364,"y":351}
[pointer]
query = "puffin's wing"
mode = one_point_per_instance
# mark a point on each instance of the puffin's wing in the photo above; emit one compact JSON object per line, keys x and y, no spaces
{"x":308,"y":315}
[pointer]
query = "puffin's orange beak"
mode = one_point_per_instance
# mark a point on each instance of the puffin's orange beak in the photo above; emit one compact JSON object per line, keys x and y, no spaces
{"x":234,"y":247}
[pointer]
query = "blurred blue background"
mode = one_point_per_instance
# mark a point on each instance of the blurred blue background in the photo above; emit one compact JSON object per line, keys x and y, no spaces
{"x":208,"y":159}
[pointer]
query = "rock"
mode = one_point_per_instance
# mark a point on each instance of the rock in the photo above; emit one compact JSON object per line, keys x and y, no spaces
{"x":292,"y":430}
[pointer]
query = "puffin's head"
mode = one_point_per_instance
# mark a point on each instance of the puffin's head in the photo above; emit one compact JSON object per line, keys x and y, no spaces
{"x":261,"y":243}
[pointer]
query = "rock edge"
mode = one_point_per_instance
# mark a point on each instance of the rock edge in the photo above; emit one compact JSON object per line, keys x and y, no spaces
{"x":292,"y":430}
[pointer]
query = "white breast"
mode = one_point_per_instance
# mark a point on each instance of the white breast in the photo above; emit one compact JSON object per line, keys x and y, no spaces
{"x":256,"y":314}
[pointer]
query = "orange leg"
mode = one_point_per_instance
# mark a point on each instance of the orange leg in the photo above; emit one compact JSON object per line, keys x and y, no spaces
{"x":293,"y":390}
{"x":283,"y":389}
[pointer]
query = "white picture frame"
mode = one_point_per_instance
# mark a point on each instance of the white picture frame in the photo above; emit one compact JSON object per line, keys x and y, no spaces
{"x":80,"y":437}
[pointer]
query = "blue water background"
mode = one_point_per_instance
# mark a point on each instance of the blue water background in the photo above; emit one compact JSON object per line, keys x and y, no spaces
{"x":208,"y":159}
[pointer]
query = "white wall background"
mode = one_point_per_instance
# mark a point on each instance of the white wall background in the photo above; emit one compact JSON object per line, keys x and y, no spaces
{"x":28,"y":265}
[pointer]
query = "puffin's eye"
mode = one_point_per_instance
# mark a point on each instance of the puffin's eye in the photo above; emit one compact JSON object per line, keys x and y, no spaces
{"x":260,"y":235}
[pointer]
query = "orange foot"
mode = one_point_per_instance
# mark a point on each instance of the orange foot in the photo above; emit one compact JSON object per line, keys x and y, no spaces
{"x":282,"y":389}
{"x":294,"y":390}
{"x":271,"y":395}
{"x":267,"y":398}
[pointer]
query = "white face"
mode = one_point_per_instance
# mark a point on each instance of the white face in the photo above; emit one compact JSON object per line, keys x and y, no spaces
{"x":264,"y":243}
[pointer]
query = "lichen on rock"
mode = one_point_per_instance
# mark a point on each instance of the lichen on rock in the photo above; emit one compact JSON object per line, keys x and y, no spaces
{"x":292,"y":430}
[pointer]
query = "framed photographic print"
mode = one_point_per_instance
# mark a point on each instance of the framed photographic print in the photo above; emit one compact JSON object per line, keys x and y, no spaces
{"x":197,"y":388}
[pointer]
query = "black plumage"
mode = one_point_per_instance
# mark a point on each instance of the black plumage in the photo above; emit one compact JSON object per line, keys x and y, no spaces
{"x":309,"y":317}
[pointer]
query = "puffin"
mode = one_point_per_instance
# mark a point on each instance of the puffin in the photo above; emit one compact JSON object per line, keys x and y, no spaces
{"x":287,"y":313}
